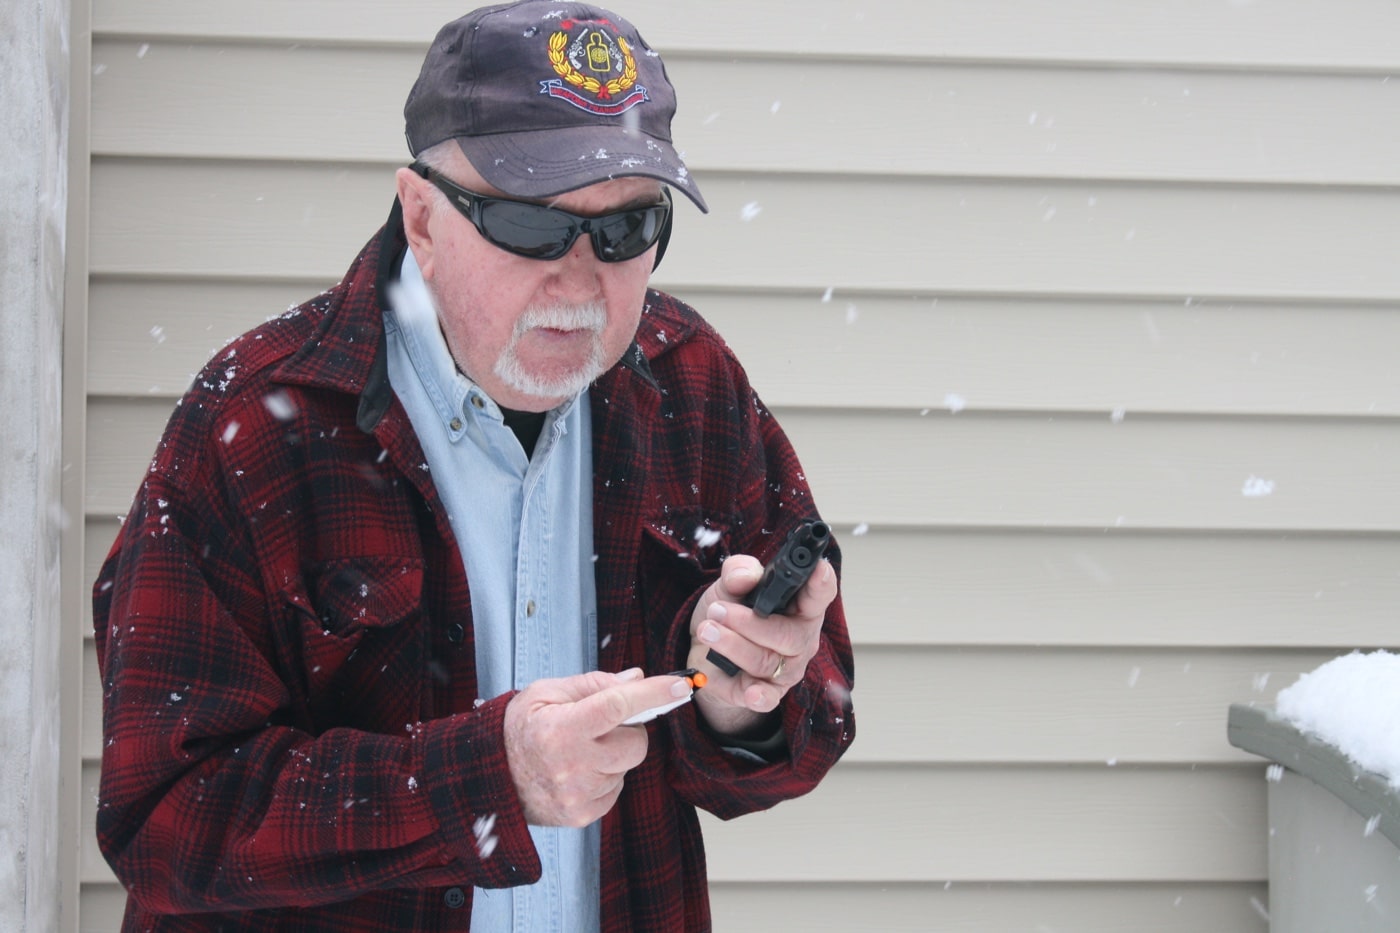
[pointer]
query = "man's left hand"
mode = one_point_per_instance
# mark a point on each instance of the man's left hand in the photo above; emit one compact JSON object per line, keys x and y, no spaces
{"x":772,"y":652}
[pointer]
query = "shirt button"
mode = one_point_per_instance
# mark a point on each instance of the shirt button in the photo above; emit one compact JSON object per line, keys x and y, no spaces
{"x":479,"y":402}
{"x":454,"y":898}
{"x":455,"y":633}
{"x":456,"y":424}
{"x":530,"y":608}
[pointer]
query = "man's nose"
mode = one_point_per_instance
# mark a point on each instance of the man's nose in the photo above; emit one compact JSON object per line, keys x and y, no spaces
{"x":574,"y":276}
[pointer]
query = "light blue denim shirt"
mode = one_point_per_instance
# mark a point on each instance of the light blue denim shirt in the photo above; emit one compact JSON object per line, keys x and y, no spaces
{"x":525,"y":529}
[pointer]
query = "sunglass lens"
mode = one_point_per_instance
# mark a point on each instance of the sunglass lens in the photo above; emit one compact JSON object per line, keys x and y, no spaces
{"x":527,"y":229}
{"x":626,"y":235}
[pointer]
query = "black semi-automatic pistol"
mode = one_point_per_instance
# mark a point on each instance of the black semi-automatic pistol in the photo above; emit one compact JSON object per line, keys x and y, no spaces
{"x":785,"y":574}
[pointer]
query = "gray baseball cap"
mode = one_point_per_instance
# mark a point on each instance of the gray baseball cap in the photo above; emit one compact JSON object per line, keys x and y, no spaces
{"x":547,"y":97}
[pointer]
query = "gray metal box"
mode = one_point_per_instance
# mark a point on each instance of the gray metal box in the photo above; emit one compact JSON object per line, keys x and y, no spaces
{"x":1334,"y":832}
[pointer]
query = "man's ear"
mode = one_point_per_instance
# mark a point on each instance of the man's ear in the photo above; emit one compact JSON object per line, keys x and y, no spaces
{"x":415,"y":199}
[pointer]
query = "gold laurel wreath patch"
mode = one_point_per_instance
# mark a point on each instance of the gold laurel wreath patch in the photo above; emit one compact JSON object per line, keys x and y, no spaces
{"x":566,"y":70}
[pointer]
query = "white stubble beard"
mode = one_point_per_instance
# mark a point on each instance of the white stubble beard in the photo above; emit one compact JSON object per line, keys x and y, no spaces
{"x":509,"y":368}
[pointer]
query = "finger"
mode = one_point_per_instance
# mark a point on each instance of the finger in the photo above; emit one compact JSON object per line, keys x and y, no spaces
{"x":819,"y":591}
{"x":737,"y":576}
{"x":754,"y":645}
{"x":747,"y":692}
{"x":604,"y":802}
{"x":560,"y":690}
{"x":763,"y":697}
{"x":607,"y":709}
{"x":588,"y":806}
{"x":620,"y":751}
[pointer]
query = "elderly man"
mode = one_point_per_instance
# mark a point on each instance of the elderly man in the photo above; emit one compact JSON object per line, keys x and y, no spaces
{"x":376,"y":635}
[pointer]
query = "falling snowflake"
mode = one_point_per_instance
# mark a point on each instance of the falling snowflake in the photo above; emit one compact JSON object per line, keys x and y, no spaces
{"x":1256,"y":488}
{"x":706,"y":537}
{"x":484,"y":830}
{"x":280,"y":405}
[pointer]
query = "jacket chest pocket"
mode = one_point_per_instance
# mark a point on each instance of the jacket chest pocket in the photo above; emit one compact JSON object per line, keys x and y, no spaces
{"x":357,"y":641}
{"x":681,"y":553}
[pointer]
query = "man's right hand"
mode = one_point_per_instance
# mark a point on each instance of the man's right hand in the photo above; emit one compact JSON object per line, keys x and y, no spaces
{"x":566,"y":745}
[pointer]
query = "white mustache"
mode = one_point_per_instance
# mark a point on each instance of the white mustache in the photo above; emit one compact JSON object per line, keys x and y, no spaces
{"x":590,"y":317}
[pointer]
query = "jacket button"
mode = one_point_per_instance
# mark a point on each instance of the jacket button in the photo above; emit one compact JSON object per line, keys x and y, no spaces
{"x":455,"y":633}
{"x":454,"y":898}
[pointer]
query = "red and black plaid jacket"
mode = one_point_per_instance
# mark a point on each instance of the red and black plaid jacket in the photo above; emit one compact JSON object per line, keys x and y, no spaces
{"x":293,"y":736}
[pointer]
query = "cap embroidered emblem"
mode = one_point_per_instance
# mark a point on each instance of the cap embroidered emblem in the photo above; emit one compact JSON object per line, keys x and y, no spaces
{"x":593,"y":62}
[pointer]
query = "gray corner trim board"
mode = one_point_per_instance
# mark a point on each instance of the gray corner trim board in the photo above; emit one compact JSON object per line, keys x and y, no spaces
{"x":1261,"y":731}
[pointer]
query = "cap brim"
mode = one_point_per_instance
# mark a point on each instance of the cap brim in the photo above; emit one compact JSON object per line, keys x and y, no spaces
{"x":543,"y":163}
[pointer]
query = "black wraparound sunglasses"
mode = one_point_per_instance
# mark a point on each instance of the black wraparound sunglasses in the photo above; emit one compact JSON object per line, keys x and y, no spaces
{"x":539,"y":232}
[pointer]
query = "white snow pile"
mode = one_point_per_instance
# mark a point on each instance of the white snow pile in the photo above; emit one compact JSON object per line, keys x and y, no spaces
{"x":1352,"y":703}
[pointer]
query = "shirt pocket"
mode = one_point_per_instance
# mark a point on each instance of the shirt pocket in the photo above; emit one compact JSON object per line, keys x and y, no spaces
{"x":356,"y":618}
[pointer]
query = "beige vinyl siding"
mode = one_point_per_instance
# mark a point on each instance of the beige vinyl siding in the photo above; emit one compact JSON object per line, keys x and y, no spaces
{"x":1083,"y":317}
{"x":1284,"y":34}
